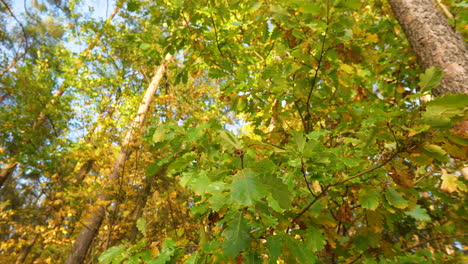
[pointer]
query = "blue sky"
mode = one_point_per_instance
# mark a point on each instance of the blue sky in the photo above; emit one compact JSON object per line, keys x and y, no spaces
{"x":102,"y":8}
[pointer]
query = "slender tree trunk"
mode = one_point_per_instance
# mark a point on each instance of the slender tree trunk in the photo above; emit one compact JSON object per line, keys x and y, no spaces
{"x":87,"y":234}
{"x":435,"y":42}
{"x":4,"y":174}
{"x":6,"y":171}
{"x":84,"y":170}
{"x":5,"y":95}
{"x":25,"y":252}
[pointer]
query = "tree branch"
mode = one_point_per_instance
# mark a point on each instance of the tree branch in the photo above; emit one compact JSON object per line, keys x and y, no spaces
{"x":434,"y":239}
{"x":391,"y":157}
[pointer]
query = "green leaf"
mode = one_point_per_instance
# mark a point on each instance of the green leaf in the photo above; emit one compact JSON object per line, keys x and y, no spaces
{"x":395,"y":198}
{"x":167,"y":251}
{"x":230,"y":141}
{"x":133,"y":6}
{"x":246,"y":189}
{"x":430,"y":79}
{"x":141,"y":225}
{"x":311,"y":8}
{"x":279,"y":191}
{"x":368,"y":198}
{"x":274,"y":246}
{"x":299,"y":251}
{"x":300,"y":140}
{"x":198,"y":182}
{"x":278,"y":11}
{"x":182,"y":162}
{"x":236,"y":236}
{"x":436,"y":152}
{"x":252,"y":257}
{"x":112,"y":255}
{"x":444,"y":111}
{"x":145,"y":46}
{"x":133,"y":260}
{"x":419,"y":214}
{"x":159,"y":135}
{"x":314,"y":239}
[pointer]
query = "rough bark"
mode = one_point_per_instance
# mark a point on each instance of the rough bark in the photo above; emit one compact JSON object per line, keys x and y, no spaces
{"x":435,"y":42}
{"x":87,"y":234}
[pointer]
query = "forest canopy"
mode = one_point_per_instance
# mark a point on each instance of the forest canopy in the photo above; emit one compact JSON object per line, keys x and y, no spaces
{"x":233,"y":131}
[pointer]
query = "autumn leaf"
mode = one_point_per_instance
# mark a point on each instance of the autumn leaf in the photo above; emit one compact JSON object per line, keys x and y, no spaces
{"x":449,"y":182}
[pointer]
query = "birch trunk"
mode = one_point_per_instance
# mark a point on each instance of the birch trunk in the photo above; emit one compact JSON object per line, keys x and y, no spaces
{"x":89,"y":231}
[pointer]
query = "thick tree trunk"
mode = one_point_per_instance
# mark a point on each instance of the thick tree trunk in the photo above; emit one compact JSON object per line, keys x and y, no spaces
{"x":435,"y":42}
{"x":87,"y":234}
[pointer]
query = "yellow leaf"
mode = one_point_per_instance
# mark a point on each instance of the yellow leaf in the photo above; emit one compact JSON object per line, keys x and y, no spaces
{"x":449,"y":182}
{"x":372,"y":38}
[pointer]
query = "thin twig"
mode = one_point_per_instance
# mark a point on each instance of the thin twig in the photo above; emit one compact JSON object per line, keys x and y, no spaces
{"x":314,"y":80}
{"x":26,"y":48}
{"x":304,"y":174}
{"x":434,"y":239}
{"x":341,"y":182}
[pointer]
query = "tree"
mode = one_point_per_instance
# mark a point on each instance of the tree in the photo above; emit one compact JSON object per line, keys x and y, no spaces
{"x":435,"y":42}
{"x":290,"y":131}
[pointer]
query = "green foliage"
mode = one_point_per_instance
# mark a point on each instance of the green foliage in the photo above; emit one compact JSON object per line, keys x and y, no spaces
{"x":236,"y":236}
{"x":395,"y":198}
{"x":246,"y":189}
{"x":112,"y":255}
{"x":368,"y":198}
{"x":284,"y":132}
{"x":419,"y":214}
{"x":141,"y":225}
{"x":430,"y":79}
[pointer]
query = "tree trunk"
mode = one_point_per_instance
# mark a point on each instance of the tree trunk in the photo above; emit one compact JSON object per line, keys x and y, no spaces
{"x":435,"y":42}
{"x":25,"y":252}
{"x":4,"y":174}
{"x":87,"y":234}
{"x":6,"y":171}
